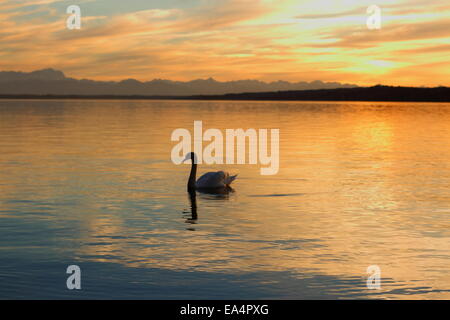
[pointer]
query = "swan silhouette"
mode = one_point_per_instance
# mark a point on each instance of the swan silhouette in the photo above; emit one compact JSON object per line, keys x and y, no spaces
{"x":210,"y":182}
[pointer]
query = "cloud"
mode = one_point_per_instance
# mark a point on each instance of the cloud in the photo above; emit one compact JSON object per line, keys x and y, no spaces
{"x":435,"y":73}
{"x":226,"y":39}
{"x":357,"y":11}
{"x":219,"y":14}
{"x":361,"y":37}
{"x":425,"y":50}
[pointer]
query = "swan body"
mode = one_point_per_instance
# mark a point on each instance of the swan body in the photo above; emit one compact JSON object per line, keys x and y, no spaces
{"x":208,"y":181}
{"x":213,"y":180}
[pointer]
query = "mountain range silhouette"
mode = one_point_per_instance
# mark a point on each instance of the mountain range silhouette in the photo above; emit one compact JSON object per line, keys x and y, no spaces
{"x":54,"y":82}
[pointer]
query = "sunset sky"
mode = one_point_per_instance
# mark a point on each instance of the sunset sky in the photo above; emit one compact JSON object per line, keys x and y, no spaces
{"x":269,"y":40}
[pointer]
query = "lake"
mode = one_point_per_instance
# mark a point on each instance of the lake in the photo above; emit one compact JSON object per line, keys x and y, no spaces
{"x":91,"y":183}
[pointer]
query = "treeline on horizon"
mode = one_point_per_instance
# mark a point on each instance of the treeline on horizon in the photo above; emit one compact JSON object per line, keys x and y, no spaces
{"x":376,"y":93}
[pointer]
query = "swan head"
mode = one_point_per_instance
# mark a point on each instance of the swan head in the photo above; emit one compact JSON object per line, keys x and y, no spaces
{"x":190,"y":156}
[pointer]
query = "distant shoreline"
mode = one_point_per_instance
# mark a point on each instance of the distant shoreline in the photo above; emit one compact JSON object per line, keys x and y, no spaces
{"x":370,"y":94}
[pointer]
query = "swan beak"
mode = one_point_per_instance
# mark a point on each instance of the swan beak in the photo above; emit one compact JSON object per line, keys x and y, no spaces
{"x":186,"y":159}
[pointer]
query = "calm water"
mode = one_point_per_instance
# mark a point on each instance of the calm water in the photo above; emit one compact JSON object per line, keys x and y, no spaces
{"x":91,"y":183}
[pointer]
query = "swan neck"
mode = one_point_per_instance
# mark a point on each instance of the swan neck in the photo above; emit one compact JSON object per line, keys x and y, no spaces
{"x":192,"y":176}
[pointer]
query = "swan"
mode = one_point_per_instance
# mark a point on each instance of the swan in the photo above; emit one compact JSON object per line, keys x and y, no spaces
{"x":219,"y":180}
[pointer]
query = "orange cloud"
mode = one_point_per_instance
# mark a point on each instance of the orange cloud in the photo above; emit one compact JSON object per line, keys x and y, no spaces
{"x":236,"y":39}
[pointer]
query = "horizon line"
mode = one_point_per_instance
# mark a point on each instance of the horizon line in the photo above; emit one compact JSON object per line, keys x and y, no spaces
{"x":360,"y":94}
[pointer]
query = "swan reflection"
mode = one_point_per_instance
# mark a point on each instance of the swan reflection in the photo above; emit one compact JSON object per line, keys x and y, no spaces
{"x":208,"y":194}
{"x":193,"y":201}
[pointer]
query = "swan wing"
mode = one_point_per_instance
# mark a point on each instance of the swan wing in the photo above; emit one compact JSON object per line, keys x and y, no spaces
{"x":229,"y":179}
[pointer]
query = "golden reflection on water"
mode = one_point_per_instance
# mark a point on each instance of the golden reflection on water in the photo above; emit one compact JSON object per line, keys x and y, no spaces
{"x":359,"y":184}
